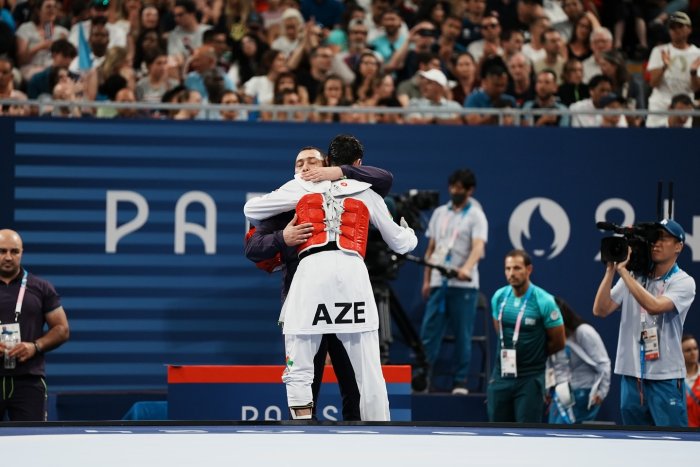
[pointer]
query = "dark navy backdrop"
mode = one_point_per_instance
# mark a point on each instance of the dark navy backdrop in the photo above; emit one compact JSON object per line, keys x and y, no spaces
{"x":144,"y":306}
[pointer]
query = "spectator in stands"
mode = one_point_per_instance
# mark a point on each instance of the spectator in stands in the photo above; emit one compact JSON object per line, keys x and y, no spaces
{"x":156,"y":83}
{"x":601,"y":41}
{"x":150,"y":18}
{"x":554,"y":59}
{"x":471,"y":21}
{"x":188,"y":96}
{"x":205,"y":77}
{"x":249,"y":52}
{"x":673,"y":68}
{"x":612,"y":101}
{"x":583,"y":368}
{"x":520,"y":86}
{"x":261,"y":89}
{"x":62,"y":54}
{"x":320,"y":67}
{"x":149,"y":42}
{"x":290,"y":38}
{"x":433,"y":90}
{"x":216,"y":38}
{"x":546,"y":98}
{"x":367,"y":77}
{"x":98,"y":9}
{"x":680,"y":102}
{"x":232,"y":98}
{"x":692,"y":379}
{"x":490,"y":45}
{"x":512,"y":41}
{"x":67,"y":91}
{"x":331,"y":94}
{"x":7,"y":89}
{"x":287,"y":97}
{"x":447,"y":45}
{"x":410,"y":88}
{"x":464,"y":72}
{"x":386,"y":97}
{"x":421,"y":40}
{"x":357,"y":43}
{"x":516,"y":389}
{"x":34,"y":38}
{"x":126,"y":95}
{"x":98,"y":40}
{"x":392,"y":39}
{"x":653,"y":307}
{"x":494,"y":80}
{"x":573,"y":89}
{"x":573,"y":10}
{"x":599,"y":87}
{"x":288,"y":81}
{"x":534,"y":50}
{"x":115,"y":63}
{"x":187,"y":35}
{"x":457,"y":235}
{"x":614,"y":67}
{"x":26,"y":401}
{"x":435,"y":12}
{"x":579,"y":45}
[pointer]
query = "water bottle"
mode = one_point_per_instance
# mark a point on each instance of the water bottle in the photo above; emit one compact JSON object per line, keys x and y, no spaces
{"x":9,"y":340}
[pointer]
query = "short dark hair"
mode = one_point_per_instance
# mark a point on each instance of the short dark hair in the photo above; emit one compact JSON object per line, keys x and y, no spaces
{"x":63,"y":47}
{"x":687,"y":337}
{"x":344,"y":150}
{"x":522,"y":253}
{"x":597,"y":79}
{"x":98,"y":21}
{"x":681,"y":99}
{"x":188,"y":5}
{"x":464,"y":177}
{"x":493,"y":66}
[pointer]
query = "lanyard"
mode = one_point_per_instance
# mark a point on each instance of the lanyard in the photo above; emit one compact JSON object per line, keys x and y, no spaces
{"x":689,"y":392}
{"x":516,"y":332}
{"x":453,"y":236}
{"x":642,"y":317}
{"x":20,"y":297}
{"x":563,"y":413}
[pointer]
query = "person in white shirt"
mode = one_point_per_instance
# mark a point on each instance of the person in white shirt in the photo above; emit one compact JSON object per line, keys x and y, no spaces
{"x":600,"y":87}
{"x":673,"y":68}
{"x":601,"y":41}
{"x":98,"y":9}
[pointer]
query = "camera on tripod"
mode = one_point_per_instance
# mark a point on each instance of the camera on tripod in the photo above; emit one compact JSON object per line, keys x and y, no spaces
{"x":638,"y":237}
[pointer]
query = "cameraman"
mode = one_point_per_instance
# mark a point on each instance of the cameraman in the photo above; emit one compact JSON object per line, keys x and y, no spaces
{"x":457,"y":235}
{"x":654,"y":307}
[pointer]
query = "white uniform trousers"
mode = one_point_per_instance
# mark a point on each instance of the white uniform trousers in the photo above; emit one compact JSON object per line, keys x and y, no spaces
{"x":363,"y":352}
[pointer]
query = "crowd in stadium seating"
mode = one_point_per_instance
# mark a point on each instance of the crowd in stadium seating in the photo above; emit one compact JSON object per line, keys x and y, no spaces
{"x":431,"y":57}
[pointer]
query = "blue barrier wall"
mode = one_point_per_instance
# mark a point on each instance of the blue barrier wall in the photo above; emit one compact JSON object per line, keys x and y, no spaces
{"x":134,"y":310}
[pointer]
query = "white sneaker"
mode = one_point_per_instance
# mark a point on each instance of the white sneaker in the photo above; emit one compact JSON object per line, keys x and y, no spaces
{"x":460,"y":391}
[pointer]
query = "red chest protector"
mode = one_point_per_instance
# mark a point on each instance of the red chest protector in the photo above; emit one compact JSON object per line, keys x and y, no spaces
{"x":354,"y":223}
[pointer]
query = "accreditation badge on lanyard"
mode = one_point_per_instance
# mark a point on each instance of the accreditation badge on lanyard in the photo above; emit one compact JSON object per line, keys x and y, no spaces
{"x":13,"y":328}
{"x":649,"y":339}
{"x":509,"y":366}
{"x":441,"y":254}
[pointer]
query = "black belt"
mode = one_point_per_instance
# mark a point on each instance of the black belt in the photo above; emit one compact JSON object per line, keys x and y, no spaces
{"x":330,"y":246}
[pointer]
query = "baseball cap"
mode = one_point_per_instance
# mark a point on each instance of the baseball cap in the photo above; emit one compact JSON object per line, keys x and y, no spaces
{"x":609,"y":99}
{"x":100,"y":4}
{"x":680,"y":18}
{"x":673,"y":228}
{"x":435,"y":75}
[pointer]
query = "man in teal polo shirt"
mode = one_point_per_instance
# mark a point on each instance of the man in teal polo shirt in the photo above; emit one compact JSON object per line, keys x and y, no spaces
{"x":530,"y":328}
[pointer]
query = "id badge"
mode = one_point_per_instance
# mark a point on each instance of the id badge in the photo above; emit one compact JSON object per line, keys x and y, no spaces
{"x":8,"y":328}
{"x":439,"y":255}
{"x":651,"y":343}
{"x":508,"y":365}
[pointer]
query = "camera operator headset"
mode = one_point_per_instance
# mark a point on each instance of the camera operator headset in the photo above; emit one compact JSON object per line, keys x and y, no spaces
{"x":654,"y":306}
